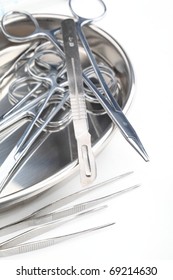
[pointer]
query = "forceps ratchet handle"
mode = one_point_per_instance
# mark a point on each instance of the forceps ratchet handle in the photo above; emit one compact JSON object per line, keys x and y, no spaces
{"x":78,"y":106}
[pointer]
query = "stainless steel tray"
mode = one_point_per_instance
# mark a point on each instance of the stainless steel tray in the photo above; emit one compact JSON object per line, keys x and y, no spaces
{"x":56,"y":159}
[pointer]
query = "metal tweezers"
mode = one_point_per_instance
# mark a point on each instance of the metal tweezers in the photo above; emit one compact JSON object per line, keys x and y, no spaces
{"x":49,"y":217}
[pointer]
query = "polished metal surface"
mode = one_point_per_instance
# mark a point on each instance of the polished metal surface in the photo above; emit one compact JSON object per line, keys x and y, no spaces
{"x":86,"y":157}
{"x":56,"y":158}
{"x":46,"y":222}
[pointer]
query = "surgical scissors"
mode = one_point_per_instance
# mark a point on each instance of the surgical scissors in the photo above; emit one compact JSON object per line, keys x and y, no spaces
{"x":109,"y":103}
{"x":93,"y":104}
{"x":119,"y":117}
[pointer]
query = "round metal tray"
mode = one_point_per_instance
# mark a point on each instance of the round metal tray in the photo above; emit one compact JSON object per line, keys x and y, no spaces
{"x":56,"y":159}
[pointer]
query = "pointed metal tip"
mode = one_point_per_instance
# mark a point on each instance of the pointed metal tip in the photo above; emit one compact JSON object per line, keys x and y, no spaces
{"x":137,"y":145}
{"x":145,"y":155}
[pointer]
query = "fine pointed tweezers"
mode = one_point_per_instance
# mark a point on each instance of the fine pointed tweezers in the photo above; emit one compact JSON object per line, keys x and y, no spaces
{"x":43,"y":228}
{"x":41,"y":224}
{"x":44,"y":214}
{"x":38,"y":219}
{"x":74,"y":196}
{"x":35,"y":245}
{"x":48,"y":222}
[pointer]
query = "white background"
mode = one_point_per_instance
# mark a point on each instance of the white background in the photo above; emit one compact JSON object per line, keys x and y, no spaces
{"x":143,"y":233}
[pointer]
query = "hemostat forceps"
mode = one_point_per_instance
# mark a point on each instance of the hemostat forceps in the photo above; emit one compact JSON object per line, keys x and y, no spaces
{"x":9,"y":166}
{"x":29,"y":137}
{"x":22,"y":108}
{"x":27,"y":92}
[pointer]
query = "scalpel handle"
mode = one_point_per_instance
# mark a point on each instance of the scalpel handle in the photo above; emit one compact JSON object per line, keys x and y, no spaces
{"x":78,"y":106}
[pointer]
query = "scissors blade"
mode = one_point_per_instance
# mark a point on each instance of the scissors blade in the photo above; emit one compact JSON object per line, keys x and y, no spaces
{"x":116,"y":112}
{"x":77,"y":98}
{"x":118,"y":117}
